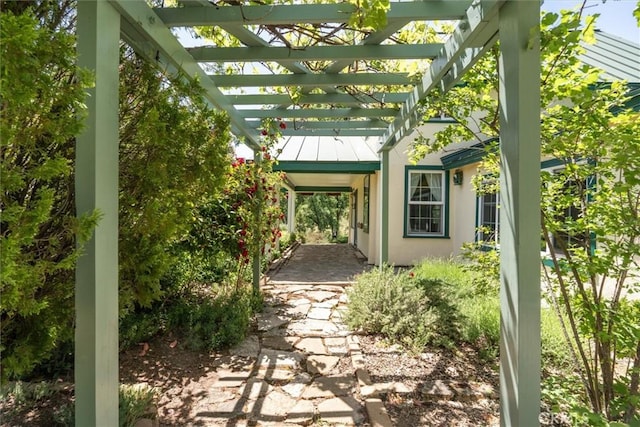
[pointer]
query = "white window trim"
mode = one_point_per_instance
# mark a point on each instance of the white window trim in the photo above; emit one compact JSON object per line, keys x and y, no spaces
{"x":480,"y":219}
{"x":441,"y":203}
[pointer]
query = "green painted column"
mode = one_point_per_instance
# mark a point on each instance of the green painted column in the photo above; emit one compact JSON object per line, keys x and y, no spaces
{"x":255,"y":263}
{"x":291,"y":211}
{"x":520,"y":213}
{"x":96,"y":334}
{"x":384,"y":208}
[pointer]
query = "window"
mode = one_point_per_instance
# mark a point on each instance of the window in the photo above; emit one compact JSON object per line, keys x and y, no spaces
{"x":425,"y":210}
{"x":365,"y":201}
{"x":566,"y":238}
{"x":354,"y":209}
{"x":488,"y":221}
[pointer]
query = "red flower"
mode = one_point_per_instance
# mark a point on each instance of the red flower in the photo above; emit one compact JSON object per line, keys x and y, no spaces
{"x":240,"y":160}
{"x":264,"y":132}
{"x":283,"y":125}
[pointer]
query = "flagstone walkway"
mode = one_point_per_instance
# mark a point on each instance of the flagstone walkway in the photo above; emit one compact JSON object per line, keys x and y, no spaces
{"x":298,"y":369}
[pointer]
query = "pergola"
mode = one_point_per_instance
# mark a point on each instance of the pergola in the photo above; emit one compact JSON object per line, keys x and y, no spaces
{"x":326,"y":105}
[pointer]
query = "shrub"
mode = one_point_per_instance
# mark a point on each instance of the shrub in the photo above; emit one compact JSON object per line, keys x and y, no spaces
{"x":213,"y":323}
{"x":483,"y":263}
{"x":42,"y":95}
{"x":136,"y":401}
{"x":392,"y":305}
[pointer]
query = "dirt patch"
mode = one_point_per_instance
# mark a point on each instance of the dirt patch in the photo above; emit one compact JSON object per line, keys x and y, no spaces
{"x":414,"y":405}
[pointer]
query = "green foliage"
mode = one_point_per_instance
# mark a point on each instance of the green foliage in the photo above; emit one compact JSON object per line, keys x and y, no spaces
{"x":393,"y":305}
{"x":243,"y":220}
{"x":136,"y":401}
{"x":322,"y":211}
{"x":370,"y":14}
{"x":173,"y":154}
{"x":213,"y":322}
{"x":206,"y":317}
{"x":42,"y":95}
{"x":481,"y":324}
{"x":483,"y":263}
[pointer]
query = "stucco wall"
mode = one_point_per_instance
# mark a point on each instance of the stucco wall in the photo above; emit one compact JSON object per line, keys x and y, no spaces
{"x":362,"y":239}
{"x":461,"y":209}
{"x":463,"y":216}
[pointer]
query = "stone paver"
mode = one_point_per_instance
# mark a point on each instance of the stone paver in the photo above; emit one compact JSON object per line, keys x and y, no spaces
{"x":297,"y":368}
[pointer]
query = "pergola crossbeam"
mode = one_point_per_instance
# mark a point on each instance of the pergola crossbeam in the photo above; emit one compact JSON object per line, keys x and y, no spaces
{"x":318,"y":80}
{"x":339,"y":124}
{"x":336,"y":132}
{"x":379,"y":98}
{"x":143,"y":30}
{"x":314,"y":53}
{"x":319,"y":113}
{"x":477,"y":31}
{"x":303,"y":13}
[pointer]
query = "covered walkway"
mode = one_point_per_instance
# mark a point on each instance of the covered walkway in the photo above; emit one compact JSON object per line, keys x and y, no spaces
{"x":321,"y":264}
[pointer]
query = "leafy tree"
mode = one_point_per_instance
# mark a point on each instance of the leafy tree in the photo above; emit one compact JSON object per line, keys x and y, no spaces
{"x":322,"y":211}
{"x":42,"y":95}
{"x":589,"y":207}
{"x":173,"y":154}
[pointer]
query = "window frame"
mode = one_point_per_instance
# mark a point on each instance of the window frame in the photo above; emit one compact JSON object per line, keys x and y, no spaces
{"x":480,"y":210}
{"x":365,"y":203}
{"x":555,"y":166}
{"x":444,"y":203}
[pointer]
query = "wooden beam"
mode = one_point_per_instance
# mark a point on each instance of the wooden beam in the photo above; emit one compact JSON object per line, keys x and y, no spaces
{"x":318,"y":80}
{"x":96,"y":189}
{"x":318,"y":112}
{"x":320,"y":98}
{"x":519,"y":95}
{"x":314,"y":53}
{"x":472,"y":37}
{"x":292,"y":14}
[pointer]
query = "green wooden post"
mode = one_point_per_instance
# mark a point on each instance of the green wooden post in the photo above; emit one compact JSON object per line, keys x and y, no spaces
{"x":520,"y":213}
{"x":291,"y":211}
{"x":255,"y":263}
{"x":96,"y":334}
{"x":384,"y":208}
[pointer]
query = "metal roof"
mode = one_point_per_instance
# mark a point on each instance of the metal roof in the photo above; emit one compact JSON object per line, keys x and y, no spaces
{"x":618,"y":58}
{"x":336,"y":158}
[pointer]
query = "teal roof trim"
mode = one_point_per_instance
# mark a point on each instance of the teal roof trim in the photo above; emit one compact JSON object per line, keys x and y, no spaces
{"x":315,"y":189}
{"x":633,"y":102}
{"x":551,"y":163}
{"x":355,"y":167}
{"x":467,"y":156}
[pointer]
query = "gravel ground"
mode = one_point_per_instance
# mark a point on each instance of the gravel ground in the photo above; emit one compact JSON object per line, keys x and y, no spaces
{"x":417,"y":372}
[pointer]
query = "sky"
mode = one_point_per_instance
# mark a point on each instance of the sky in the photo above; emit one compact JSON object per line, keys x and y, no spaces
{"x":616,"y":16}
